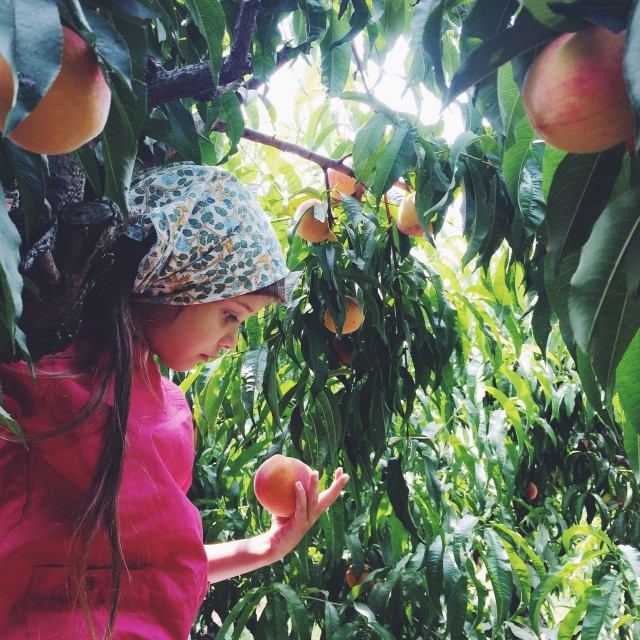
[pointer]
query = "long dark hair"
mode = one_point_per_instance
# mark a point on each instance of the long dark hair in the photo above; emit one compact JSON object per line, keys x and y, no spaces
{"x":108,"y":309}
{"x":110,"y":305}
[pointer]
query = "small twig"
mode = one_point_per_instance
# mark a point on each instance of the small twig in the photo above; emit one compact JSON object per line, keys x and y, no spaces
{"x":298,"y":150}
{"x":386,"y":205}
{"x":289,"y":147}
{"x":356,"y":57}
{"x":327,"y":186}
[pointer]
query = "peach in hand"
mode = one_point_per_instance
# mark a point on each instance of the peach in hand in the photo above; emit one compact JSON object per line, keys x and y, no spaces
{"x":274,"y":484}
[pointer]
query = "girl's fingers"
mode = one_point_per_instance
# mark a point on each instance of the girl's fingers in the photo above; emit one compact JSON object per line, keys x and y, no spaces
{"x":330,"y":495}
{"x":312,"y":495}
{"x":301,"y":500}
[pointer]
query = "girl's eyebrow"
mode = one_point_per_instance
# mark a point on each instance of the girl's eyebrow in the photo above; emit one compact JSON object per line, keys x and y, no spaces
{"x":244,"y":305}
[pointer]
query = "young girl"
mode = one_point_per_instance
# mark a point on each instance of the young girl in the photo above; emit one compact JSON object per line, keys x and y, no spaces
{"x":97,"y":536}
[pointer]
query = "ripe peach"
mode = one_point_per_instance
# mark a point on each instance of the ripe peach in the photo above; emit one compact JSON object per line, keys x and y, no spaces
{"x":274,"y":484}
{"x":310,"y":228}
{"x":531,"y":491}
{"x":407,"y":221}
{"x":73,"y":111}
{"x":353,"y":317}
{"x":575,"y":94}
{"x":343,"y":351}
{"x":340,"y":183}
{"x":353,"y":579}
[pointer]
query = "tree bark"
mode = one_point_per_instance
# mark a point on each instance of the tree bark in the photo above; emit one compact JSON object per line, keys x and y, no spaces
{"x":63,"y":266}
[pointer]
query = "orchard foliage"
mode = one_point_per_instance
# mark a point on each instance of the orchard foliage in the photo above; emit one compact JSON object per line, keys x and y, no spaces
{"x":502,"y":350}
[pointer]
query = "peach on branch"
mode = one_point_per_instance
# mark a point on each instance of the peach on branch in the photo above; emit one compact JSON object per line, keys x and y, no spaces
{"x":407,"y":221}
{"x":353,"y":317}
{"x":308,"y":226}
{"x":354,"y":577}
{"x":274,"y":484}
{"x":531,"y":491}
{"x":575,"y":93}
{"x":74,"y":109}
{"x":340,"y":183}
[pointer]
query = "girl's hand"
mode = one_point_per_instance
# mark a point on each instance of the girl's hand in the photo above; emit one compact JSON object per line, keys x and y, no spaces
{"x":285,"y":533}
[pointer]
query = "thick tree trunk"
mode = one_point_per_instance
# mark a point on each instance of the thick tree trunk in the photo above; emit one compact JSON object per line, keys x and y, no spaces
{"x":63,"y":267}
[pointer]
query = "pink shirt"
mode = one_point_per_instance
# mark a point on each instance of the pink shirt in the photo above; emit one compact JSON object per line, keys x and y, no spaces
{"x":161,"y":530}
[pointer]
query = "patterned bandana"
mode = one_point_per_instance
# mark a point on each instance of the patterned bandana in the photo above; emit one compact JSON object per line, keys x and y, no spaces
{"x":213,"y":240}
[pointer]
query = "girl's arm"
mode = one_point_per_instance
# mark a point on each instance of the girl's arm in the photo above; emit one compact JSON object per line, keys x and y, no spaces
{"x":229,"y":559}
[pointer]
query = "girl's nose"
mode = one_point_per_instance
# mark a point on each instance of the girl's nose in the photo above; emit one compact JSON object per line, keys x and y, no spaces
{"x":229,"y":341}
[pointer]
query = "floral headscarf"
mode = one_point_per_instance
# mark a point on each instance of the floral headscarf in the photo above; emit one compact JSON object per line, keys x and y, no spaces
{"x":213,"y":240}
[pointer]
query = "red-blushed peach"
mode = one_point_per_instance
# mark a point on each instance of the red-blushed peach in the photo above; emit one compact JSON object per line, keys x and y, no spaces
{"x":575,"y":93}
{"x":274,"y":484}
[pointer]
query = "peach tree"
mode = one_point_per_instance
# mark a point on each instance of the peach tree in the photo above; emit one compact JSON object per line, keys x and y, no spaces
{"x":499,"y":350}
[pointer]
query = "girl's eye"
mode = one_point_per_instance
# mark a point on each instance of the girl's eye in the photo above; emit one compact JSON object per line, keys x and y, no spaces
{"x":229,"y":317}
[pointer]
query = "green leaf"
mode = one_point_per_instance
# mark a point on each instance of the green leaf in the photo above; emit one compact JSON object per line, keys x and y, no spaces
{"x":359,"y":19}
{"x":395,"y":158}
{"x":510,"y":102}
{"x":521,"y":571}
{"x":335,"y":60}
{"x":85,"y":158}
{"x":516,"y":155}
{"x":590,"y":385}
{"x":7,"y":30}
{"x":581,"y":186}
{"x":325,"y":407}
{"x":35,"y":55}
{"x":630,"y":564}
{"x":398,"y":493}
{"x":627,"y":376}
{"x":209,"y":18}
{"x":434,"y":571}
{"x":182,"y":130}
{"x":10,"y":278}
{"x":30,"y":170}
{"x":479,"y":206}
{"x":602,"y":608}
{"x":632,"y":446}
{"x":120,"y":144}
{"x":524,"y":546}
{"x":8,"y":421}
{"x":366,"y":143}
{"x":569,"y":624}
{"x":254,"y":363}
{"x":499,"y":570}
{"x":130,"y":8}
{"x":297,"y":609}
{"x":556,"y":579}
{"x":229,"y":112}
{"x":111,"y":47}
{"x":246,"y":605}
{"x":585,"y":530}
{"x":603,"y":308}
{"x":455,"y":594}
{"x":426,"y":26}
{"x":489,"y":56}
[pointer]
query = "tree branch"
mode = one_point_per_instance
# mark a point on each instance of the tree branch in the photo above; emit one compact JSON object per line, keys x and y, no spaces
{"x":195,"y":80}
{"x":239,"y":61}
{"x":302,"y":152}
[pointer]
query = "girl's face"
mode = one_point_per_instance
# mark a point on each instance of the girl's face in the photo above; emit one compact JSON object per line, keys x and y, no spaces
{"x":182,"y":336}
